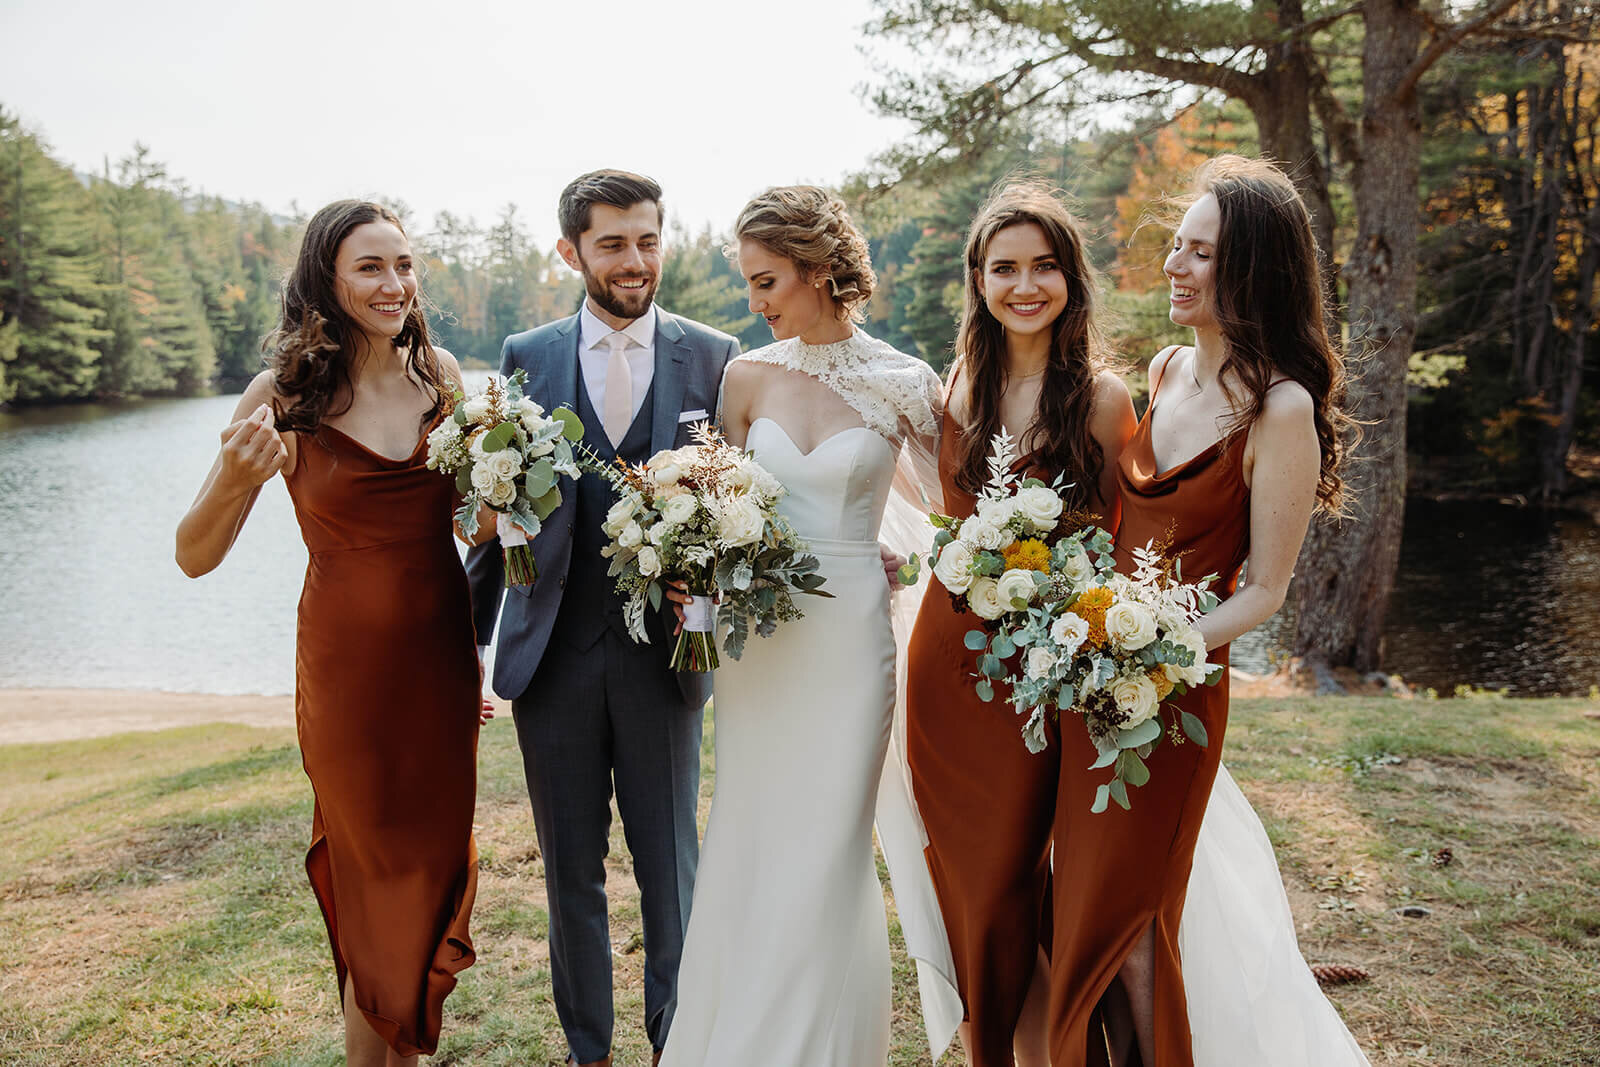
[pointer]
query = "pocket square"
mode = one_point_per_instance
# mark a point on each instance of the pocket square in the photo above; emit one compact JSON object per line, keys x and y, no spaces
{"x":693,"y":416}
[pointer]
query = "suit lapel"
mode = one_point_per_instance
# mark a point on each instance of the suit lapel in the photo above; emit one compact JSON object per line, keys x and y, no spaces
{"x":559,"y":364}
{"x":671,"y":378}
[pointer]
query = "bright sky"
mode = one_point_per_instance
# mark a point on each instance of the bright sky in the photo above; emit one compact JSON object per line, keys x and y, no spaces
{"x":459,"y":106}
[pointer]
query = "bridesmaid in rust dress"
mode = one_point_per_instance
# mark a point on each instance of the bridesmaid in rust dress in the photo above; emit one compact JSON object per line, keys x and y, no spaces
{"x":1238,"y":446}
{"x":387,"y":688}
{"x":1029,"y":360}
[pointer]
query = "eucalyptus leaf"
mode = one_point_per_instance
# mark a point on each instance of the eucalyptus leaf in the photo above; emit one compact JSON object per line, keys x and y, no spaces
{"x":1102,"y":796}
{"x":497,"y":439}
{"x":541,"y":478}
{"x":1142,"y":734}
{"x":548,"y":503}
{"x":1003,"y":646}
{"x":1193,"y":728}
{"x":976,"y":640}
{"x":984,"y":690}
{"x":654,"y":593}
{"x":1133,"y":769}
{"x":571,"y":425}
{"x":464,"y":481}
{"x":1108,"y":756}
{"x":1119,"y":793}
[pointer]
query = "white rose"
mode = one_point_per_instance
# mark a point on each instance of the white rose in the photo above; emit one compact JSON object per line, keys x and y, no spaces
{"x":740,"y":522}
{"x":953,"y":568}
{"x":632,"y":536}
{"x":476,"y":407}
{"x":679,"y":508}
{"x":475,"y":446}
{"x":505,"y":464}
{"x":528,"y":410}
{"x":984,"y":599}
{"x":1040,"y":506}
{"x":1135,"y":696}
{"x":1040,"y":660}
{"x":739,"y":476}
{"x":666,"y":474}
{"x":766,"y":484}
{"x":1069,"y":632}
{"x":649,"y":562}
{"x":1078,"y":569}
{"x":482,"y":479}
{"x":1130,"y":625}
{"x":996,"y":511}
{"x":501,"y":494}
{"x":657,"y":534}
{"x":1016,"y":588}
{"x":982,"y":534}
{"x":623,"y":510}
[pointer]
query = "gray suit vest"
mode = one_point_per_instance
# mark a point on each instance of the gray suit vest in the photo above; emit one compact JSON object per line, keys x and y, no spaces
{"x":589,"y":602}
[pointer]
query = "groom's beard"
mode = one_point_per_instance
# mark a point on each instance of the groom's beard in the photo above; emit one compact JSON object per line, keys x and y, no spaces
{"x":624,"y":304}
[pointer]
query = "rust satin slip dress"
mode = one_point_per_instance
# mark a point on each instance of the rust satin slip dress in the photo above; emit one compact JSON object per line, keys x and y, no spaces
{"x":1119,"y":871}
{"x":386,"y":708}
{"x":987,"y":805}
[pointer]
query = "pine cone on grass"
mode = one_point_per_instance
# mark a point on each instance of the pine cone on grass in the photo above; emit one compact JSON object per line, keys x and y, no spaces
{"x":1338,"y":973}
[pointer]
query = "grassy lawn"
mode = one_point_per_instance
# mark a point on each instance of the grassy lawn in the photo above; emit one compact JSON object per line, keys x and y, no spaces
{"x":153,"y":903}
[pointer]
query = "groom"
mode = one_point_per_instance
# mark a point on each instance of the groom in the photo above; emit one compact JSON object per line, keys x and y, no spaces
{"x":593,"y":707}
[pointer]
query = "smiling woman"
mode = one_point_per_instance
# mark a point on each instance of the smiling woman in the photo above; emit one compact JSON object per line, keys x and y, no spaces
{"x":386,"y":674}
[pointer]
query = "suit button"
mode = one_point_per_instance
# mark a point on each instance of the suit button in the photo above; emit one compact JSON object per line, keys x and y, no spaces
{"x":561,"y":582}
{"x":569,"y":527}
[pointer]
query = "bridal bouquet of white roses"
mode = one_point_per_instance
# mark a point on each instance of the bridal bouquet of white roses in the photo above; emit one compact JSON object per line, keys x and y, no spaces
{"x":507,"y":453}
{"x":705,"y":515}
{"x":1114,"y":652}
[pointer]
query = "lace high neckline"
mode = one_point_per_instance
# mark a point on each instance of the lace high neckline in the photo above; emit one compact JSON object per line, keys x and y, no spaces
{"x":891,"y":391}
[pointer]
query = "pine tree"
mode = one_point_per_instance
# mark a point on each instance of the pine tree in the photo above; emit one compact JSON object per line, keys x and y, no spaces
{"x":49,"y":295}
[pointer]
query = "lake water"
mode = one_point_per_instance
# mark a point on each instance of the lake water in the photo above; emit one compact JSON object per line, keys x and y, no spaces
{"x":90,"y":498}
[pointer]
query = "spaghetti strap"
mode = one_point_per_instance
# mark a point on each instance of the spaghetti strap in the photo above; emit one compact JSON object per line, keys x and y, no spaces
{"x":1155,"y":386}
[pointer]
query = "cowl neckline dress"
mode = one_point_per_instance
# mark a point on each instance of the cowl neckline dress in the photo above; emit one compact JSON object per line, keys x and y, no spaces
{"x":386,"y":701}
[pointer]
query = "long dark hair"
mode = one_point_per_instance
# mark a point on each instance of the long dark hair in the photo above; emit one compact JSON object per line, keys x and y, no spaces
{"x":1269,"y":303}
{"x":1059,"y":432}
{"x":309,"y":352}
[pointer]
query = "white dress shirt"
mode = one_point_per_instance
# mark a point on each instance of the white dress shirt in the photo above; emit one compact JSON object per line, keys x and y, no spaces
{"x":594,"y":352}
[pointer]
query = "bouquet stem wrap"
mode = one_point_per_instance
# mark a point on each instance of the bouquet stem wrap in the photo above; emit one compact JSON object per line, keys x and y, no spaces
{"x":521,"y":569}
{"x":697,"y":646}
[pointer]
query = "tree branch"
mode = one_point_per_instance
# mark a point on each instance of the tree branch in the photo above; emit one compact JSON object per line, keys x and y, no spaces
{"x":1442,"y":43}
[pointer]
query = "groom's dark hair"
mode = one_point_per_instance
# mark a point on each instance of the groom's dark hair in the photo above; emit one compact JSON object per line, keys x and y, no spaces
{"x":619,"y":188}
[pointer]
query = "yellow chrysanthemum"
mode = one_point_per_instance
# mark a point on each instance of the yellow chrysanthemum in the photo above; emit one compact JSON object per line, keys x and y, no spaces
{"x":1163,"y":684}
{"x":1029,"y":554}
{"x":1091,"y":606}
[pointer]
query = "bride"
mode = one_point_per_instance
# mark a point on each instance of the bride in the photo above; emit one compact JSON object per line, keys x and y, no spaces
{"x":786,"y":959}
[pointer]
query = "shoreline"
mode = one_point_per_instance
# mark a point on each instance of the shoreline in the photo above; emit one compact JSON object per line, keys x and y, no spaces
{"x":32,"y":716}
{"x":35,"y":716}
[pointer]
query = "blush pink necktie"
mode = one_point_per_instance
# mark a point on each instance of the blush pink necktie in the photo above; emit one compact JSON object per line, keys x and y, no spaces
{"x":618,"y":405}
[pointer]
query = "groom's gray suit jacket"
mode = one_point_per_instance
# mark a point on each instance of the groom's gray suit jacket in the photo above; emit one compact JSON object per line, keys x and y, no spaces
{"x":689,"y":359}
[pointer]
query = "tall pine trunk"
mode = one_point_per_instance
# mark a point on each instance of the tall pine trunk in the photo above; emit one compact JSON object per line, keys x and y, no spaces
{"x":1347,"y":568}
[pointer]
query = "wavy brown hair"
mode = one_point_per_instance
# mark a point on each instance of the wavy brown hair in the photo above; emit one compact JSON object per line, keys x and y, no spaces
{"x":1270,"y":303}
{"x":309,"y":352}
{"x":812,"y":228}
{"x":1059,"y":432}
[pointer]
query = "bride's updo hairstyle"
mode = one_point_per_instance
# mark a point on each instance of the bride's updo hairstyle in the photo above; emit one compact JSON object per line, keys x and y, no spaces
{"x":811,"y":228}
{"x":310,"y":350}
{"x":1269,"y":301}
{"x":1060,"y":427}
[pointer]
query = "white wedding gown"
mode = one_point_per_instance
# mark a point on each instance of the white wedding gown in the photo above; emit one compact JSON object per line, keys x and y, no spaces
{"x":786,"y":960}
